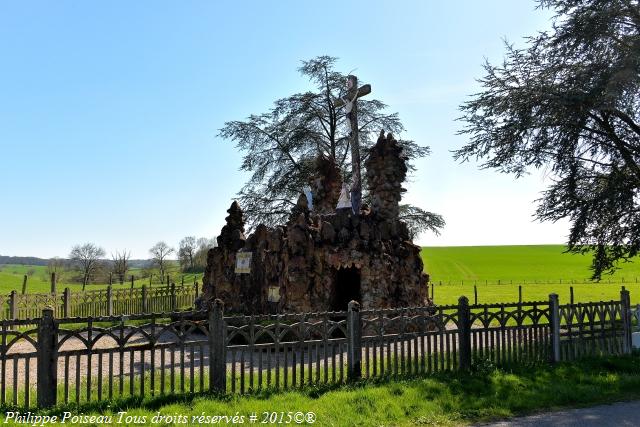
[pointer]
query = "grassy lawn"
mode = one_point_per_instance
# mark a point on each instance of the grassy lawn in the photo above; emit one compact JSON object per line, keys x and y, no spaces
{"x":11,"y":277}
{"x":442,"y":399}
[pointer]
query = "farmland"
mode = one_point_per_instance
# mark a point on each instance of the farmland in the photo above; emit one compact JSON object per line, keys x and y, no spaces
{"x":11,"y":277}
{"x":539,"y":269}
{"x":496,"y":270}
{"x":518,"y":263}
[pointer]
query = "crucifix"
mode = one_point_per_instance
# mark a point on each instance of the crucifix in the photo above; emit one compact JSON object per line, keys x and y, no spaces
{"x":349,"y":101}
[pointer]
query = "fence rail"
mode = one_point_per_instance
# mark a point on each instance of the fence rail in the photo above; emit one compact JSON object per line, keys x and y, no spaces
{"x":152,"y":354}
{"x":104,"y":302}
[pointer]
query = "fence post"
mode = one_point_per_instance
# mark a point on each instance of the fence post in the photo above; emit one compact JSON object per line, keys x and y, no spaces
{"x":145,"y":299}
{"x":625,"y":312}
{"x":197,"y":290}
{"x":13,"y":305}
{"x":109,"y":300}
{"x":554,"y":320}
{"x":217,"y":348}
{"x":571,"y":295}
{"x":354,"y":342}
{"x":66,"y":302}
{"x":464,"y":331}
{"x":475,"y":294}
{"x":174,"y":301}
{"x":47,"y":360}
{"x":132,"y":280}
{"x":53,"y":283}
{"x":24,"y":284}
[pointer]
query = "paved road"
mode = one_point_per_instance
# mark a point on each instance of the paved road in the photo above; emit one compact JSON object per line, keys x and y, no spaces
{"x":618,"y":414}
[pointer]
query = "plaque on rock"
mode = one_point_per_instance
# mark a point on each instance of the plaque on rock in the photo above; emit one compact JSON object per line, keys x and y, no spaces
{"x":274,"y":294}
{"x":243,"y":262}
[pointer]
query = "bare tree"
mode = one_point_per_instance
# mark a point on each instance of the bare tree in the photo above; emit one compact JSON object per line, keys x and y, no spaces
{"x":186,"y":253}
{"x":159,"y":253}
{"x":120,"y":264}
{"x":203,"y":245}
{"x":87,"y":257}
{"x":200,"y":258}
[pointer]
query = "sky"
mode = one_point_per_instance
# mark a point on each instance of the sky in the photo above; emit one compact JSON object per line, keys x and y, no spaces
{"x":109,"y":111}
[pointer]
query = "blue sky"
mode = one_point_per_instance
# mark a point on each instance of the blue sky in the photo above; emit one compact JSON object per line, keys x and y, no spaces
{"x":109,"y":111}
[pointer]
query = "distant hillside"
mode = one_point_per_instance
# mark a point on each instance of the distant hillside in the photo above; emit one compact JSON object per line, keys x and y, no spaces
{"x":29,"y":260}
{"x":140,"y":263}
{"x":22,"y":260}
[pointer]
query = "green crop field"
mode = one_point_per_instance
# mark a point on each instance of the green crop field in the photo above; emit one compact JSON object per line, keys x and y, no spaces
{"x":518,"y":263}
{"x":497,"y":271}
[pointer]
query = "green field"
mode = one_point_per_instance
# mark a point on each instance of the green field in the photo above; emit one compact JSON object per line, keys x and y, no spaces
{"x":539,"y":269}
{"x":525,"y":263}
{"x":11,"y":277}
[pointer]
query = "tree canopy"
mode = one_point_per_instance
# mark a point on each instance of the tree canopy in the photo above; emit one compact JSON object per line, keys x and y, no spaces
{"x":281,"y":145}
{"x":569,"y":101}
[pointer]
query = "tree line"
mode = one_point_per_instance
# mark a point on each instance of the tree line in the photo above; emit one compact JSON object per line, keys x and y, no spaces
{"x":86,"y":263}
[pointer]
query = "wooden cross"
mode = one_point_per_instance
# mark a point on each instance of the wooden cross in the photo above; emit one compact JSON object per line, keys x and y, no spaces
{"x":349,"y":101}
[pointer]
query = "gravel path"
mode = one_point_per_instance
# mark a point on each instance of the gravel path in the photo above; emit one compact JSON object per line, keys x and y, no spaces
{"x":173,"y":357}
{"x":111,"y":362}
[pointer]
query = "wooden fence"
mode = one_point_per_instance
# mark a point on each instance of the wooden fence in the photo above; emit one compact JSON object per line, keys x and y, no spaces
{"x":105,"y":302}
{"x":153,"y":354}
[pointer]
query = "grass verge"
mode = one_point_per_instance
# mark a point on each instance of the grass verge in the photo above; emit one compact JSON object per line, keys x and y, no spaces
{"x":442,"y":399}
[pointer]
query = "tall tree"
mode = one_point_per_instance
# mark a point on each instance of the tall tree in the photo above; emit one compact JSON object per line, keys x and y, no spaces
{"x":186,"y":253}
{"x":159,"y":254}
{"x":120,"y":264}
{"x":87,"y":257}
{"x":281,"y":145}
{"x":570,"y":102}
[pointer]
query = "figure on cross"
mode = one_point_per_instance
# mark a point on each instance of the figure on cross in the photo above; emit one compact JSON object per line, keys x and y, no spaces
{"x":350,"y":103}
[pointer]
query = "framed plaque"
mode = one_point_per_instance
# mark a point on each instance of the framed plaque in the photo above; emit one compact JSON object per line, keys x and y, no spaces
{"x":243,"y":262}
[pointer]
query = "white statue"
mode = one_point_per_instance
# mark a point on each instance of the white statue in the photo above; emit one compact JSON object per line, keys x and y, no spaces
{"x":344,"y":202}
{"x":307,"y":192}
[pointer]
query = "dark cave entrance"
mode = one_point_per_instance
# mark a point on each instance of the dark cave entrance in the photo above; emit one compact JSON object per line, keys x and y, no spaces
{"x":346,"y":287}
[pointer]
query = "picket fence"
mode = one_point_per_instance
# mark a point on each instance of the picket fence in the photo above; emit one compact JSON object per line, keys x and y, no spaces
{"x":86,"y":359}
{"x":104,"y":302}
